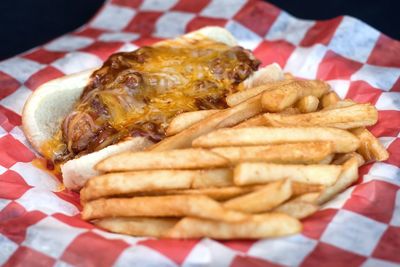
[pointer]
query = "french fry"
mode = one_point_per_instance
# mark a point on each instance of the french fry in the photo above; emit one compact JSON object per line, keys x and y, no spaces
{"x":329,"y":99}
{"x":290,"y":111}
{"x":131,"y":182}
{"x":342,"y":158}
{"x":344,"y":118}
{"x":348,"y":176}
{"x":160,"y":206}
{"x":297,"y":209}
{"x":228,"y":192}
{"x":154,"y":227}
{"x":300,"y":206}
{"x":295,"y":153}
{"x":241,"y":96}
{"x":216,"y":193}
{"x":258,"y":173}
{"x":341,"y":104}
{"x":263,"y":199}
{"x":257,"y":226}
{"x":286,"y":95}
{"x":267,"y":74}
{"x":113,"y":184}
{"x":370,"y":147}
{"x":279,"y":99}
{"x":308,"y":104}
{"x":328,"y":159}
{"x":213,"y":178}
{"x":299,"y":189}
{"x":157,"y":160}
{"x":224,"y":118}
{"x":342,"y":140}
{"x":187,"y":119}
{"x":308,"y":197}
{"x":258,"y":120}
{"x":288,"y":76}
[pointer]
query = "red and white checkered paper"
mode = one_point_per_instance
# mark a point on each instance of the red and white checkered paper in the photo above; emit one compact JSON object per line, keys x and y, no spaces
{"x":41,"y":226}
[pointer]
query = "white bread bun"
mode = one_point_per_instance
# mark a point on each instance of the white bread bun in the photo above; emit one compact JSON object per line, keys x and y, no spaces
{"x":49,"y":105}
{"x":53,"y":101}
{"x":264,"y":75}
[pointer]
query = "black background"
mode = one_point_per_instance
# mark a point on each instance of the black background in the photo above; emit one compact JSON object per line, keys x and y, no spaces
{"x":28,"y":23}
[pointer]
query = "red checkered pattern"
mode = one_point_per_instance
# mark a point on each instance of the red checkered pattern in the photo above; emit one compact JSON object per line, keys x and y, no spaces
{"x":40,"y":225}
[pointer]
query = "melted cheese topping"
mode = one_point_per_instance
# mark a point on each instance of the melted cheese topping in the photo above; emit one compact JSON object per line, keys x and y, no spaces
{"x":139,"y":92}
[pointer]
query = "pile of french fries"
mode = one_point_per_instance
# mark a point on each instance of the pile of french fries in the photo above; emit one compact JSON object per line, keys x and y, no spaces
{"x":252,"y":170}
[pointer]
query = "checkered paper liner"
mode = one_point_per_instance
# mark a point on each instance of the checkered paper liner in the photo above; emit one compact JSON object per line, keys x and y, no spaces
{"x":41,"y":226}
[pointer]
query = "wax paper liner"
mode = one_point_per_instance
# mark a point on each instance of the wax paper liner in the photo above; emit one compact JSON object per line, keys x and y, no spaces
{"x":40,"y":225}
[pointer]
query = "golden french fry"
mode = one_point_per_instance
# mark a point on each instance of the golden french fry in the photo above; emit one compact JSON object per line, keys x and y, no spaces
{"x":342,"y":140}
{"x":131,"y":182}
{"x":342,"y":158}
{"x":258,"y":120}
{"x":224,"y":118}
{"x":305,"y":188}
{"x":157,"y":160}
{"x":288,"y":76}
{"x":308,"y":104}
{"x":286,"y":95}
{"x":290,"y":111}
{"x":216,"y":193}
{"x":308,"y":197}
{"x":370,"y":147}
{"x":258,"y":173}
{"x":344,"y":118}
{"x":228,"y":192}
{"x":340,"y":104}
{"x":160,"y":206}
{"x":257,"y":226}
{"x":329,"y":99}
{"x":213,"y":178}
{"x":187,"y":119}
{"x":297,"y":209}
{"x":328,"y":159}
{"x":348,"y":176}
{"x":114,"y":184}
{"x":267,"y":74}
{"x":241,"y":96}
{"x":279,"y":99}
{"x":295,"y":153}
{"x":263,"y":199}
{"x":301,"y":206}
{"x":154,"y":227}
